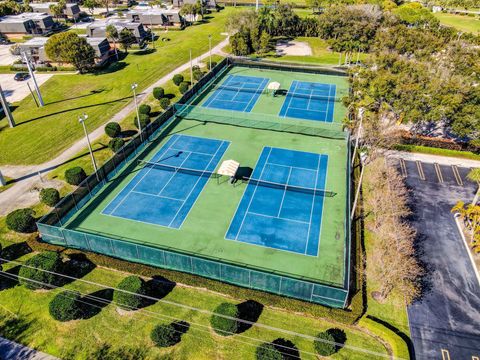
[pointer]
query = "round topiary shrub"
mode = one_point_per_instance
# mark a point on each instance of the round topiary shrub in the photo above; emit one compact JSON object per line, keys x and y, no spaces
{"x":224,"y":326}
{"x":165,"y":335}
{"x":113,"y":129}
{"x":195,"y":68}
{"x":144,"y":121}
{"x":130,"y":300}
{"x":327,"y":346}
{"x":75,"y":175}
{"x":197,"y":75}
{"x":165,"y":103}
{"x":21,"y":220}
{"x":38,"y":271}
{"x":49,"y":196}
{"x":183,"y":87}
{"x":177,"y":79}
{"x":268,"y":351}
{"x":116,"y":144}
{"x":65,"y":306}
{"x":158,"y":93}
{"x":144,"y":109}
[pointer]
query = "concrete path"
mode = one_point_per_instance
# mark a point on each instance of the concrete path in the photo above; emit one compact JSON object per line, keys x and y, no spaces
{"x":23,"y":193}
{"x":10,"y":350}
{"x":444,"y":160}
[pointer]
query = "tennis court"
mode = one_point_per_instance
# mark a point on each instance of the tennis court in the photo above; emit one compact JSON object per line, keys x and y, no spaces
{"x":310,"y":101}
{"x":238,"y":93}
{"x":283,"y":203}
{"x":166,"y":187}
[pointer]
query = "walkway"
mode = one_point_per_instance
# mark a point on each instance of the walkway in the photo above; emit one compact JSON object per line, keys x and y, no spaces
{"x":21,"y":194}
{"x":10,"y":350}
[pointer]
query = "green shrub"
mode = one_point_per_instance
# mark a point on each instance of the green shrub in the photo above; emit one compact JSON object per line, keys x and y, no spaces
{"x":125,"y":300}
{"x":144,"y":109}
{"x":165,"y":335}
{"x":197,"y":75}
{"x":213,"y":65}
{"x":49,"y":196}
{"x":178,"y":79}
{"x":268,"y":351}
{"x":326,"y":347}
{"x":21,"y":220}
{"x":195,"y":68}
{"x":75,"y":175}
{"x":158,"y":93}
{"x":165,"y":103}
{"x":224,"y":326}
{"x":144,"y":121}
{"x":116,"y":144}
{"x":113,"y":129}
{"x":40,"y":269}
{"x":65,"y":306}
{"x":183,"y":87}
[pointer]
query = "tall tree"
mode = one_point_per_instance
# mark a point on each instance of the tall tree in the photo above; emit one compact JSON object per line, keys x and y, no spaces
{"x":90,"y":5}
{"x":112,"y":35}
{"x":58,"y":9}
{"x":126,"y":39}
{"x":68,"y":47}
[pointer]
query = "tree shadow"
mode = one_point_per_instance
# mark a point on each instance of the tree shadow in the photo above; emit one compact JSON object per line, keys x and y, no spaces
{"x":147,"y":51}
{"x":77,"y":266}
{"x":15,"y":251}
{"x":158,"y":287}
{"x":14,"y":328}
{"x":93,"y":303}
{"x":169,"y":96}
{"x":250,"y":311}
{"x":181,"y":326}
{"x":92,"y":92}
{"x":128,"y":133}
{"x":9,"y":278}
{"x":111,"y":68}
{"x":339,"y":337}
{"x":287,"y":348}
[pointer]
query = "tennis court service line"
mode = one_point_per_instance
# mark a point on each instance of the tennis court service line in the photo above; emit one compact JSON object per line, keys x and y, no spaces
{"x":420,"y":170}
{"x":458,"y":178}
{"x":438,"y":171}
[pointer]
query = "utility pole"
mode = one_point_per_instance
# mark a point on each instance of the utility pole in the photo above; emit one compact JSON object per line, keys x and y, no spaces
{"x":210,"y":50}
{"x":134,"y":87}
{"x":37,"y":89}
{"x":6,"y":108}
{"x":2,"y":180}
{"x":81,"y":120}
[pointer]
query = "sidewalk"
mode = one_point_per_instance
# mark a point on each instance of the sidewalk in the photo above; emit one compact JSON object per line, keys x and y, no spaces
{"x":10,"y":350}
{"x":20,"y":194}
{"x":427,"y":158}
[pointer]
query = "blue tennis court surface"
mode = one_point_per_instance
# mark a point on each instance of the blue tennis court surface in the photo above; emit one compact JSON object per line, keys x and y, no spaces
{"x":164,"y":195}
{"x":309,"y":100}
{"x":237,"y":92}
{"x":282,"y":218}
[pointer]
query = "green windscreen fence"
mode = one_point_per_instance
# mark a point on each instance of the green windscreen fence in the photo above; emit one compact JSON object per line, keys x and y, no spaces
{"x":52,"y":230}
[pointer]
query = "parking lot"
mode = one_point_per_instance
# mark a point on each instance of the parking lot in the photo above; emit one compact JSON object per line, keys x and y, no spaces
{"x":17,"y":90}
{"x":6,"y":58}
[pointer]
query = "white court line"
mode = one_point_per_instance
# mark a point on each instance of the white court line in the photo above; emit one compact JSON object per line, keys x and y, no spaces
{"x":293,"y":167}
{"x":278,"y":217}
{"x":176,"y":171}
{"x":323,"y":206}
{"x":193,"y":152}
{"x":262,"y":85}
{"x":214,"y":96}
{"x":313,"y":204}
{"x":157,"y":196}
{"x":333,"y":101}
{"x":328,"y":101}
{"x":284,"y":192}
{"x":291,"y":97}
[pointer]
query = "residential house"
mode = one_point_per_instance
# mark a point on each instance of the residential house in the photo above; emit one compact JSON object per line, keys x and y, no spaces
{"x":209,"y":4}
{"x":26,"y":23}
{"x":99,"y":28}
{"x":156,"y":17}
{"x":71,"y":11}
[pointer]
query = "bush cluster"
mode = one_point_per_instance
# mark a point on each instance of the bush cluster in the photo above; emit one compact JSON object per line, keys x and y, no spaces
{"x":65,"y":306}
{"x":183,"y":87}
{"x":144,"y":121}
{"x":116,"y":144}
{"x":165,"y":335}
{"x":75,"y":175}
{"x":113,"y":129}
{"x":178,"y":79}
{"x":224,"y":326}
{"x":130,"y":300}
{"x":158,"y":93}
{"x":21,"y":220}
{"x":38,"y":271}
{"x":268,"y":351}
{"x":165,"y":103}
{"x":49,"y":196}
{"x":145,"y":109}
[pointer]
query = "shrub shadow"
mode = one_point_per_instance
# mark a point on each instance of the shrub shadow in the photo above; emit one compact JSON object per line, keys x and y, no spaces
{"x":339,"y":337}
{"x":111,"y":68}
{"x":9,"y":278}
{"x":287,"y":348}
{"x":181,"y":326}
{"x":128,"y":133}
{"x":93,"y":303}
{"x":250,"y":311}
{"x":77,"y":266}
{"x":15,"y":251}
{"x":158,"y":287}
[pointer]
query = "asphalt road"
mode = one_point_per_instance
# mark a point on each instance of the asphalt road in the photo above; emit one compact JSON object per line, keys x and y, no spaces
{"x":445,"y":322}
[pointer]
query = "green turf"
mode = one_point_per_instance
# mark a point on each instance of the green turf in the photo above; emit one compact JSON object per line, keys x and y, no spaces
{"x":461,"y":22}
{"x":204,"y":228}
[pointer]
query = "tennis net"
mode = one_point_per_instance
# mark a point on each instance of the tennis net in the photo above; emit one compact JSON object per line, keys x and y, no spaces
{"x":175,"y":169}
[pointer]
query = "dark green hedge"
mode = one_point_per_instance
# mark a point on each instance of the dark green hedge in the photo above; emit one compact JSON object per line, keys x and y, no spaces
{"x":267,"y":351}
{"x":32,"y":270}
{"x":165,"y":335}
{"x":65,"y":306}
{"x":224,"y":326}
{"x":165,"y":103}
{"x":177,"y":79}
{"x":183,"y":87}
{"x":132,"y":284}
{"x":325,"y":347}
{"x":144,"y":121}
{"x":116,"y":144}
{"x":158,"y":93}
{"x":144,"y":109}
{"x":75,"y":175}
{"x":113,"y":129}
{"x":49,"y":196}
{"x":21,"y":220}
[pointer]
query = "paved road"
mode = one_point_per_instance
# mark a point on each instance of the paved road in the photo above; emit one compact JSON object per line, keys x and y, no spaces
{"x":13,"y":351}
{"x":445,"y":323}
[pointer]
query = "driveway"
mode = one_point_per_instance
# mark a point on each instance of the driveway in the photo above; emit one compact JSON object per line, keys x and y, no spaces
{"x":6,"y":58}
{"x":17,"y":90}
{"x":445,"y":322}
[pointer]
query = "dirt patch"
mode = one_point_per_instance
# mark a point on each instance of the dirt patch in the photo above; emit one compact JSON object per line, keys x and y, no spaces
{"x":292,"y":47}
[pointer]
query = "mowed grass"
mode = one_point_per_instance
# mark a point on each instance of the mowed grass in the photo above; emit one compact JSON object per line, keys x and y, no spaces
{"x":76,"y":339}
{"x":43,"y":133}
{"x":461,"y":22}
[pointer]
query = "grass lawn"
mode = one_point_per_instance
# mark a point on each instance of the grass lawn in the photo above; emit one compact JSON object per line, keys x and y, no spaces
{"x":25,"y":318}
{"x":45,"y":132}
{"x":9,"y":183}
{"x":460,"y":22}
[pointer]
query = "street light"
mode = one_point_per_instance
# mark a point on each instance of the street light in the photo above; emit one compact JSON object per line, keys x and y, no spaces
{"x":134,"y":87}
{"x":81,"y":120}
{"x":210,"y":50}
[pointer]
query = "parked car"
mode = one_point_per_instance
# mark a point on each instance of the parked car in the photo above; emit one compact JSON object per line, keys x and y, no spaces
{"x":87,"y":19}
{"x":21,"y":76}
{"x":4,"y":41}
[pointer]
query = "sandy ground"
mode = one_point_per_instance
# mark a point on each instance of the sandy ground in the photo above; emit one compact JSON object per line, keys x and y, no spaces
{"x":17,"y":90}
{"x":6,"y":58}
{"x":296,"y":48}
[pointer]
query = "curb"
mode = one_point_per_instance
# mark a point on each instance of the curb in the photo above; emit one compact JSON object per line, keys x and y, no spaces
{"x":465,"y":242}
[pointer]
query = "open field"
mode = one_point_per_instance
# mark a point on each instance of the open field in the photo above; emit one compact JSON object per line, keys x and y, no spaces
{"x":460,"y":22}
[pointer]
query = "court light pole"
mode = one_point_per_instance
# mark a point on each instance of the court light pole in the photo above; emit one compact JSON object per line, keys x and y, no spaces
{"x":134,"y":88}
{"x":37,"y":89}
{"x":191,"y":69}
{"x":6,"y":108}
{"x":210,"y":50}
{"x":2,"y":180}
{"x":81,"y":120}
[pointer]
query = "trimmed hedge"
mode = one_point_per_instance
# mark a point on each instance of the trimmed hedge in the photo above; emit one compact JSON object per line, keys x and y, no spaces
{"x":224,"y":326}
{"x":113,"y":129}
{"x":65,"y":306}
{"x":22,"y":221}
{"x":325,"y":348}
{"x":49,"y":196}
{"x":116,"y":144}
{"x":214,"y":63}
{"x":197,"y":75}
{"x":165,"y":103}
{"x":158,"y":93}
{"x":50,"y":261}
{"x":267,"y":351}
{"x":165,"y":335}
{"x":126,"y":301}
{"x":178,"y":79}
{"x":144,"y":109}
{"x":75,"y":175}
{"x":183,"y":87}
{"x":144,"y":121}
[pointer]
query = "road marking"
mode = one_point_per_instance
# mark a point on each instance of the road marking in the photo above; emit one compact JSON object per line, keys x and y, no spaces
{"x":458,"y":178}
{"x":403,"y":168}
{"x":439,"y":172}
{"x":420,"y":170}
{"x":445,"y":354}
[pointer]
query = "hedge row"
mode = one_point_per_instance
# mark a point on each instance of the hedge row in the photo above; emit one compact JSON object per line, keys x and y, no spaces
{"x":409,"y":139}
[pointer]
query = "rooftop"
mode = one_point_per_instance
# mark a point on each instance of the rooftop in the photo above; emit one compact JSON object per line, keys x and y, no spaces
{"x":20,"y":18}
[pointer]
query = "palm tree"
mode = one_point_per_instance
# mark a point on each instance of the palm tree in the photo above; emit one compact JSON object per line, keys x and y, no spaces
{"x":266,"y":19}
{"x":474,"y":175}
{"x":112,"y":34}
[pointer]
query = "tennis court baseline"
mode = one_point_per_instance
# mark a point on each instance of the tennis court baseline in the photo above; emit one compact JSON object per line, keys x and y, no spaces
{"x":237,"y":92}
{"x":310,"y":100}
{"x":281,"y":217}
{"x":161,"y":193}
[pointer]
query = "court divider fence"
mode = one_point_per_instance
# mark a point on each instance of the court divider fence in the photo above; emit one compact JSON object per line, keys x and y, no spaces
{"x":53,"y":230}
